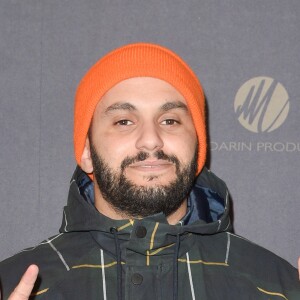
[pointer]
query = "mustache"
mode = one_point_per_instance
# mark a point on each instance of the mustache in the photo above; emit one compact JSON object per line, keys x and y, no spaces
{"x":141,"y":156}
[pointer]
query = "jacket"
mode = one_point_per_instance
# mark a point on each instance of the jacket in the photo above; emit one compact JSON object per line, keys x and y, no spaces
{"x":94,"y":257}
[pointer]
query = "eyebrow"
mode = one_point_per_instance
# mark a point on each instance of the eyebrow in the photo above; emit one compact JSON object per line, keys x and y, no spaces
{"x":173,"y":105}
{"x":128,"y":106}
{"x":120,"y":106}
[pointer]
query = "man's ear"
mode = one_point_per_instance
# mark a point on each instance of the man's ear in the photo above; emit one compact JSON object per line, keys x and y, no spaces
{"x":86,"y":160}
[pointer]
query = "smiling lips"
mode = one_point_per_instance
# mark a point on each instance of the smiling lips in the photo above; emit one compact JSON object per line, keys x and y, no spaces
{"x":150,"y":166}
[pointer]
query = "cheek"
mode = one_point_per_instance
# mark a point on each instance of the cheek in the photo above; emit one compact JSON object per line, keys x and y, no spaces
{"x":113,"y":150}
{"x":182,"y":146}
{"x":191,"y":142}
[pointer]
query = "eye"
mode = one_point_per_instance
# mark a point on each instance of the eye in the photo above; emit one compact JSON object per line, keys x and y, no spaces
{"x":123,"y":123}
{"x":169,"y":122}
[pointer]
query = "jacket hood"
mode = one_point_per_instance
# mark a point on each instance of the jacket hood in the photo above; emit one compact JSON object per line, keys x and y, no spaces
{"x":208,"y":208}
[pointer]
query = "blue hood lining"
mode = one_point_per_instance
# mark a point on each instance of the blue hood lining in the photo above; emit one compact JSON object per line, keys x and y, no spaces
{"x":204,"y":204}
{"x":86,"y":187}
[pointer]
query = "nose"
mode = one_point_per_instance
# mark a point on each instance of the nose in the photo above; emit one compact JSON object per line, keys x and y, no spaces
{"x":149,"y":138}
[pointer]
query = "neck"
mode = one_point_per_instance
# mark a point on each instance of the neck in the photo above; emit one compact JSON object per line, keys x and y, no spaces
{"x":176,"y":216}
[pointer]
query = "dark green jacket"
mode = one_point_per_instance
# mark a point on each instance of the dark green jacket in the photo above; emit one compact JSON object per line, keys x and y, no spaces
{"x":95,"y":257}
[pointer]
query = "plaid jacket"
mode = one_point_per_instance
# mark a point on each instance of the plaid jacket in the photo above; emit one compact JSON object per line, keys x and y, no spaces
{"x":94,"y":257}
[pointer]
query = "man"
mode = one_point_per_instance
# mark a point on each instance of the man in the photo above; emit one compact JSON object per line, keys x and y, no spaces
{"x":145,"y":219}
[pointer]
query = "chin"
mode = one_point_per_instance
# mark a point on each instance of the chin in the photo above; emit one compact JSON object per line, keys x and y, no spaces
{"x":152,"y":180}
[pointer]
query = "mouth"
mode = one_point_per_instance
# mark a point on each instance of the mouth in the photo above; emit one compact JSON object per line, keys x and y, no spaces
{"x":151,"y":166}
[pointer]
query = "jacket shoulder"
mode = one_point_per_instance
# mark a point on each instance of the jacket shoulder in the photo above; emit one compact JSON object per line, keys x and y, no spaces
{"x":267,"y":271}
{"x":54,"y":256}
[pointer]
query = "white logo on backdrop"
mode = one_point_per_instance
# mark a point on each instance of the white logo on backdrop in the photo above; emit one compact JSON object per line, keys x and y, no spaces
{"x":261,"y":104}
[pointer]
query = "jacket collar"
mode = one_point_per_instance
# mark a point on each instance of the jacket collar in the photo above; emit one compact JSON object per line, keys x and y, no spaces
{"x":208,"y":208}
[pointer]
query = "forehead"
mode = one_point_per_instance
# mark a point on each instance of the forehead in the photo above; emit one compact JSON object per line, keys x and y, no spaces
{"x":142,"y":92}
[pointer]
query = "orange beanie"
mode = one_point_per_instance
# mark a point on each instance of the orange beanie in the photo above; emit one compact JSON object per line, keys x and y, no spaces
{"x":138,"y":60}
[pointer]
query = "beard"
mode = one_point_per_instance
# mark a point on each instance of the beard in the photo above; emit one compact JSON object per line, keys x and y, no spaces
{"x":132,"y":200}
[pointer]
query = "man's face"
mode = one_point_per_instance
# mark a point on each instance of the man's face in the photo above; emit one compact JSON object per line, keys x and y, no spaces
{"x":143,"y":147}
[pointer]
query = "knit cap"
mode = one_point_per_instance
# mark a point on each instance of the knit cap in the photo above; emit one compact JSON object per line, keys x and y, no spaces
{"x":138,"y":60}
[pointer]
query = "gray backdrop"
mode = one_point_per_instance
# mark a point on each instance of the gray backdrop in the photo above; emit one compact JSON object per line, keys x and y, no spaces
{"x":246,"y":54}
